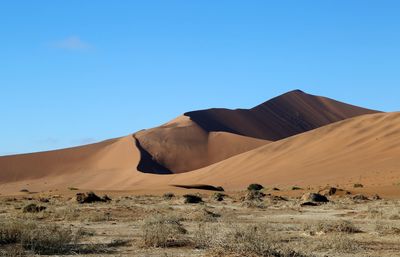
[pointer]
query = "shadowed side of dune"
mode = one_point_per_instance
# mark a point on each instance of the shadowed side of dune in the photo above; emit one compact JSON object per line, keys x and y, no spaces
{"x":181,"y":146}
{"x":147,"y":164}
{"x":289,"y":114}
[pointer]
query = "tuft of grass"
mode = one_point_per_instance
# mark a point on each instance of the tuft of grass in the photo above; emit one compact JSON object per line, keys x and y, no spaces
{"x":339,"y":226}
{"x":39,"y":238}
{"x":168,"y":196}
{"x":296,"y":188}
{"x":250,"y":240}
{"x":219,"y":197}
{"x":163,"y":231}
{"x":73,"y":188}
{"x":358,"y":185}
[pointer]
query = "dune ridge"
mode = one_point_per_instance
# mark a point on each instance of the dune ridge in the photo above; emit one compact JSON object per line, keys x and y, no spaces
{"x":283,"y":116}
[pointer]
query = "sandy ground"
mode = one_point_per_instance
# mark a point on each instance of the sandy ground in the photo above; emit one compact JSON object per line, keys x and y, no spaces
{"x":119,"y":224}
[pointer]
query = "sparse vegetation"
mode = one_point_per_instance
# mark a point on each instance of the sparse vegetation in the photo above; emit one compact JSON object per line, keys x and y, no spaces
{"x":343,"y":227}
{"x":33,"y":208}
{"x":163,"y":231}
{"x":339,"y":226}
{"x":189,"y":198}
{"x":358,"y":185}
{"x":219,"y":197}
{"x":255,"y":187}
{"x":168,"y":196}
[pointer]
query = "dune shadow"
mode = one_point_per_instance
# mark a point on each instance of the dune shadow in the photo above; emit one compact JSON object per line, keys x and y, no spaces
{"x":147,"y":164}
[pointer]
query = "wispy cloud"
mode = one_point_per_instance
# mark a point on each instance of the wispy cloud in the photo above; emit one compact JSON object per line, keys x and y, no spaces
{"x":85,"y":141}
{"x":72,"y":43}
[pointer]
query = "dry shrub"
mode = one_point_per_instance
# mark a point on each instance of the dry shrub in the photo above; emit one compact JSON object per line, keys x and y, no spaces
{"x":189,"y":198}
{"x":339,"y":226}
{"x":12,"y":251}
{"x":168,"y":196}
{"x":12,"y":231}
{"x":242,"y":240}
{"x":38,"y":238}
{"x":163,"y":231}
{"x":339,"y":244}
{"x":387,"y":229}
{"x":202,"y":215}
{"x":49,"y":239}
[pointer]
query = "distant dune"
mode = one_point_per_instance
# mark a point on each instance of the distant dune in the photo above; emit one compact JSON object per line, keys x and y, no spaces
{"x":202,"y":138}
{"x":308,"y":140}
{"x":283,"y":116}
{"x":364,"y":149}
{"x":181,"y":145}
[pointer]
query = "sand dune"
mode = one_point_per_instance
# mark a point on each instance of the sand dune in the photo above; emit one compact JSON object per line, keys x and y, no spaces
{"x":283,"y":116}
{"x":364,"y":149}
{"x":202,"y":138}
{"x":181,"y":145}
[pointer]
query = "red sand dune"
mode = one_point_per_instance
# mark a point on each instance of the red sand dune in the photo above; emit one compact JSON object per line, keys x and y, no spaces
{"x":202,"y":138}
{"x":181,"y":145}
{"x":363,"y":149}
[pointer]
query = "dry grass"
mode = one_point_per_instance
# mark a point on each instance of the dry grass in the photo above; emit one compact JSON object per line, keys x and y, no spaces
{"x":157,"y":226}
{"x":339,"y":226}
{"x":163,"y":231}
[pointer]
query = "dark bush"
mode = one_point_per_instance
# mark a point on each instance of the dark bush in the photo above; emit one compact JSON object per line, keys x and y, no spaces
{"x":91,"y":197}
{"x":33,"y":208}
{"x":168,"y":196}
{"x":219,"y":197}
{"x":192,"y":198}
{"x":255,"y":187}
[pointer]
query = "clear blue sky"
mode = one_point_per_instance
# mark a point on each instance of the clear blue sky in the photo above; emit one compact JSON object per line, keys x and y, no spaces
{"x":73,"y":72}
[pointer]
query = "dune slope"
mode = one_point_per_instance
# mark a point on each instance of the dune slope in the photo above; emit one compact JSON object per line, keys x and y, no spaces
{"x":181,"y":145}
{"x":283,"y":116}
{"x":363,"y":149}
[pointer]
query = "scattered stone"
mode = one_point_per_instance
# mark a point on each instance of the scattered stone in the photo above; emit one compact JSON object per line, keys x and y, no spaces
{"x":314,"y":197}
{"x":24,"y":190}
{"x":33,"y":208}
{"x":192,"y":198}
{"x":275,"y":189}
{"x":91,"y":197}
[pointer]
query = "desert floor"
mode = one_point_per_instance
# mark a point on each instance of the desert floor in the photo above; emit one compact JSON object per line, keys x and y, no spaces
{"x":242,"y":224}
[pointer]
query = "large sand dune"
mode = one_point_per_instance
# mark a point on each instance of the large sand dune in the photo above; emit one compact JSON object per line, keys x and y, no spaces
{"x":202,"y":138}
{"x":181,"y":145}
{"x":364,"y":149}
